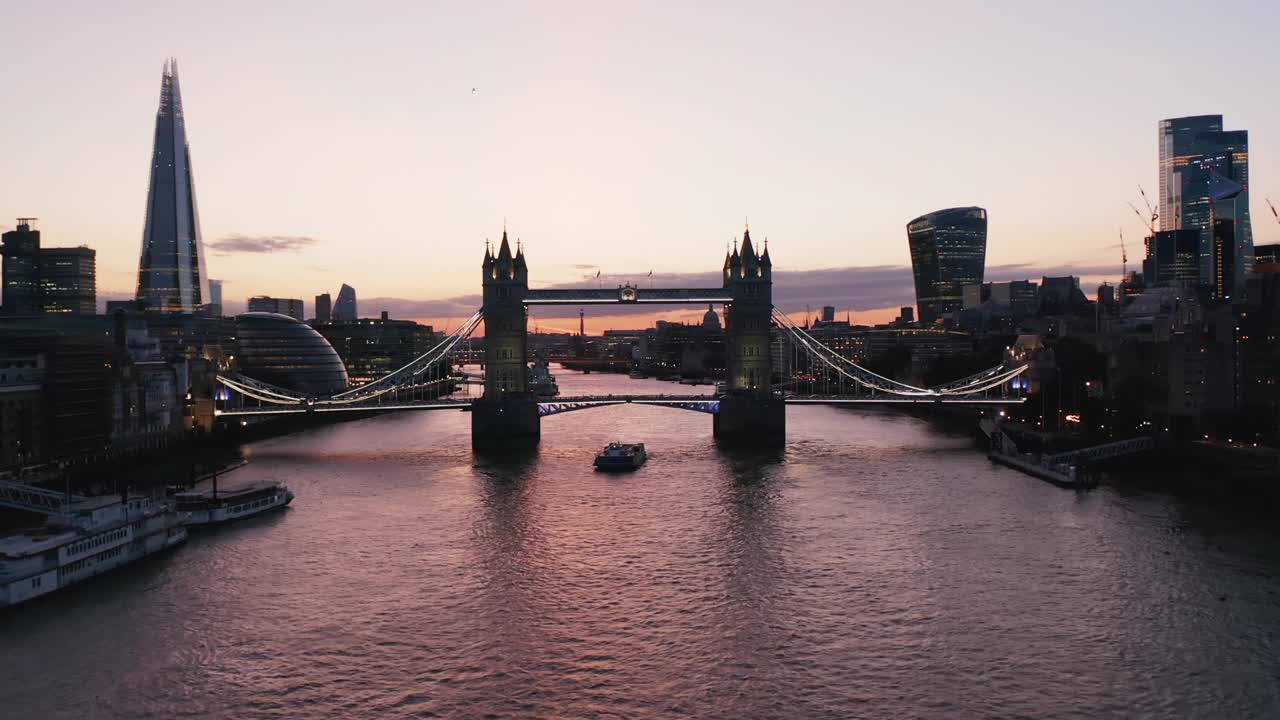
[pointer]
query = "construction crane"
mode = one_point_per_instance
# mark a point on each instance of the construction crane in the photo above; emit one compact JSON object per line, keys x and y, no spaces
{"x":1150,"y":210}
{"x":1124,"y":259}
{"x":1273,"y":210}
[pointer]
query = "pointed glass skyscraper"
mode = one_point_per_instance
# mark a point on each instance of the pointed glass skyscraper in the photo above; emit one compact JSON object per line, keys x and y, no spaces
{"x":171,"y":275}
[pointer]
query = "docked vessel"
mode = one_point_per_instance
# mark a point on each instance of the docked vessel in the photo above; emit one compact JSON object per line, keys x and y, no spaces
{"x":214,"y":506}
{"x":85,"y":538}
{"x":541,"y":382}
{"x":621,"y":456}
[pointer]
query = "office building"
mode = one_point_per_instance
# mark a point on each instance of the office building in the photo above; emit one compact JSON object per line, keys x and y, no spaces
{"x":68,"y":280}
{"x":46,"y":280}
{"x":213,"y":307}
{"x":280,"y":350}
{"x":1173,"y":256}
{"x":1232,"y":251}
{"x":1266,"y":258}
{"x":284,"y":306}
{"x":948,"y":251}
{"x":372,"y":348}
{"x":1195,"y":155}
{"x":344,"y":309}
{"x":171,"y":274}
{"x":21,"y":249}
{"x":324,"y":308}
{"x":828,"y":313}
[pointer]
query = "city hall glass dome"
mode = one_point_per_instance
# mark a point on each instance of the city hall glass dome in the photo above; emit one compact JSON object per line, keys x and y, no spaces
{"x":281,"y":350}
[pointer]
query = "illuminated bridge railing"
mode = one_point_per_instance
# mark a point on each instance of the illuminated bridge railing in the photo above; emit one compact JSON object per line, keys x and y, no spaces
{"x":628,"y":294}
{"x":999,"y":379}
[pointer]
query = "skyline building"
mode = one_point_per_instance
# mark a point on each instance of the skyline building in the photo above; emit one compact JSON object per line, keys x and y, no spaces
{"x":171,"y":273}
{"x":1173,"y":256}
{"x":283,"y":306}
{"x":948,"y":251}
{"x":1195,"y":155}
{"x":40,"y":281}
{"x":324,"y":308}
{"x":1231,"y":262}
{"x":344,"y":308}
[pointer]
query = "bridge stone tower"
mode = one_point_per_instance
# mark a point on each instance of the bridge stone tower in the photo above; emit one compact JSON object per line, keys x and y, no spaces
{"x":506,"y":417}
{"x":749,"y":412}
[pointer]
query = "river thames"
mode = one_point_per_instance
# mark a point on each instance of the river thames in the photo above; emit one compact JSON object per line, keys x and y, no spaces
{"x":878,"y":567}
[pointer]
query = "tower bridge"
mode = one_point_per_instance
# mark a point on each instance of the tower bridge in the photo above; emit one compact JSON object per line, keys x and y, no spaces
{"x":749,"y":410}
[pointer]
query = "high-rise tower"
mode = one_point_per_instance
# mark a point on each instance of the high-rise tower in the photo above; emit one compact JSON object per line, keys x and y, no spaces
{"x":1196,"y":154}
{"x":171,"y":274}
{"x":948,"y":251}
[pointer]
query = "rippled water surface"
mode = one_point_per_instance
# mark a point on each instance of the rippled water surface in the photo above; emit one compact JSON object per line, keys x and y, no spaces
{"x":877,"y":567}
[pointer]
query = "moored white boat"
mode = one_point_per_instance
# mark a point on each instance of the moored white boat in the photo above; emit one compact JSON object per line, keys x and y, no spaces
{"x":218,"y":506}
{"x":87,"y":538}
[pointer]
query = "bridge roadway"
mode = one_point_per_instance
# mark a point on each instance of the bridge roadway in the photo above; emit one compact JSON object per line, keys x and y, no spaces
{"x":552,"y":406}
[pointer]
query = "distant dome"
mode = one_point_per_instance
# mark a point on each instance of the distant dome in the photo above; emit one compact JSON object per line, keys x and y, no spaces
{"x":710,"y":319}
{"x":281,"y":350}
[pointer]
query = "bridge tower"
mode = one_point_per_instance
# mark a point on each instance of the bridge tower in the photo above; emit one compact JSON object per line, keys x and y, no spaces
{"x":749,"y":414}
{"x":506,"y":417}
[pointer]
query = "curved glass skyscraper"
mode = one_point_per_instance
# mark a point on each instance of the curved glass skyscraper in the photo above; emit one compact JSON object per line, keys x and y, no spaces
{"x":948,"y":251}
{"x":171,"y":275}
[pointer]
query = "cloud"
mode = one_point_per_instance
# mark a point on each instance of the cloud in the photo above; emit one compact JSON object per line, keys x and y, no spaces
{"x":583,"y":266}
{"x":259,"y":244}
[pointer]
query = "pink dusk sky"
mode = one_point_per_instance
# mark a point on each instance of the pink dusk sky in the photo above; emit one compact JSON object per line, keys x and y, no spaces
{"x":343,"y":142}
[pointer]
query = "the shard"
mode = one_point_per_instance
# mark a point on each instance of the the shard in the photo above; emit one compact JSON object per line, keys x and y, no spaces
{"x":171,"y":275}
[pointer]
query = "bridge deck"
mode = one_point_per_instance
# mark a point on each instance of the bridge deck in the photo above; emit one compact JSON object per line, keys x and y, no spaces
{"x":580,"y":401}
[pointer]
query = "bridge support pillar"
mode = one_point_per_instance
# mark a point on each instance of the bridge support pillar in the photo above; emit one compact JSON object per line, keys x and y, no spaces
{"x":505,"y":423}
{"x":751,"y":421}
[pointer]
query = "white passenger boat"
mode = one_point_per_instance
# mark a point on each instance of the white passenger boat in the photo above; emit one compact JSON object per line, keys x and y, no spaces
{"x":219,"y":506}
{"x":87,"y":538}
{"x":621,"y":456}
{"x":541,"y":382}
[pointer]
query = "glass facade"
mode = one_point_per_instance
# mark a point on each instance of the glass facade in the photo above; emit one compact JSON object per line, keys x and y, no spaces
{"x":948,"y":251}
{"x":1195,"y":155}
{"x":1232,"y":253}
{"x":344,"y":308}
{"x":1173,"y":257}
{"x":171,"y":274}
{"x":280,"y":350}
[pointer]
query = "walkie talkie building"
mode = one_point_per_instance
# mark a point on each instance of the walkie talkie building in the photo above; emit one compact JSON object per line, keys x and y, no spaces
{"x":171,"y":275}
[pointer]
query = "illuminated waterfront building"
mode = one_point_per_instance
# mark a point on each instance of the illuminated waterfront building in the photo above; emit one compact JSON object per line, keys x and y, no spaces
{"x":280,"y":350}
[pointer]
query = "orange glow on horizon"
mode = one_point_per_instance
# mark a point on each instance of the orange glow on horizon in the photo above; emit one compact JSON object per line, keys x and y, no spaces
{"x":640,"y":321}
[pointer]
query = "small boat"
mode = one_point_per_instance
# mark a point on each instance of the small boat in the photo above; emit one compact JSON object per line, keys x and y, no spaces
{"x":621,"y":456}
{"x":214,"y":506}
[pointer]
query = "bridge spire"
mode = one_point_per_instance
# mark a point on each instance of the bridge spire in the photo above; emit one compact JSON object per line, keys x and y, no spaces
{"x":750,"y":262}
